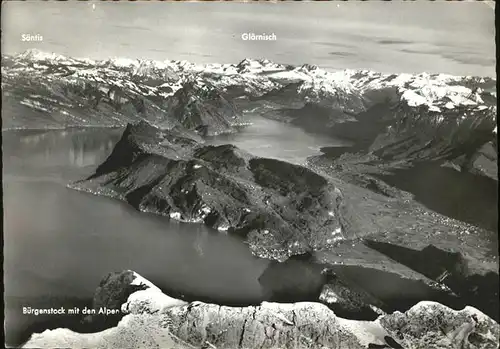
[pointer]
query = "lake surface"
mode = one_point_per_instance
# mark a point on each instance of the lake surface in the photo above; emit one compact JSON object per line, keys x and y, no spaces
{"x":274,"y":139}
{"x":59,"y":242}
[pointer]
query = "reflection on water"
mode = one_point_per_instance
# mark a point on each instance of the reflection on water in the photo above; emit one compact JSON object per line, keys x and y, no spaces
{"x":200,"y":242}
{"x":80,"y":157}
{"x":46,"y":149}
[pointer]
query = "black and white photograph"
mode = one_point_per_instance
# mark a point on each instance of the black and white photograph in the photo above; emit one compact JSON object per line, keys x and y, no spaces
{"x":250,"y":175}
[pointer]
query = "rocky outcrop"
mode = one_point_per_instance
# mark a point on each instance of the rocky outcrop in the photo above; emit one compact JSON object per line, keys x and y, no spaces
{"x":351,"y":301}
{"x":112,"y":292}
{"x":280,"y":208}
{"x":155,"y":320}
{"x":430,"y":325}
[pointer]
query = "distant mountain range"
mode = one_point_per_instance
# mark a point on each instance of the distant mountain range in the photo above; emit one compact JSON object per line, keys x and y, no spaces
{"x":47,"y":90}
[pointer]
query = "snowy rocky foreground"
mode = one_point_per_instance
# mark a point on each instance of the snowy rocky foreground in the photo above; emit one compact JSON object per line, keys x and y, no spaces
{"x":155,"y":320}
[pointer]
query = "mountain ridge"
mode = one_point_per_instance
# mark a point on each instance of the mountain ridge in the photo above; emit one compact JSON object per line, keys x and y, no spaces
{"x":351,"y":90}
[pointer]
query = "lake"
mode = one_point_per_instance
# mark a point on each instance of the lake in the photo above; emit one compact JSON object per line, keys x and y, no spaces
{"x":59,"y":243}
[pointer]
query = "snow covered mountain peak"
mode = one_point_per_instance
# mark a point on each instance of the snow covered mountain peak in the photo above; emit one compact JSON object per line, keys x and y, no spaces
{"x":120,"y":62}
{"x":39,"y":55}
{"x":436,"y":92}
{"x":257,"y":66}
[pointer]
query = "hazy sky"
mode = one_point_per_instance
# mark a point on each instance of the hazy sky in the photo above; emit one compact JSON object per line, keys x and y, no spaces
{"x":449,"y":37}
